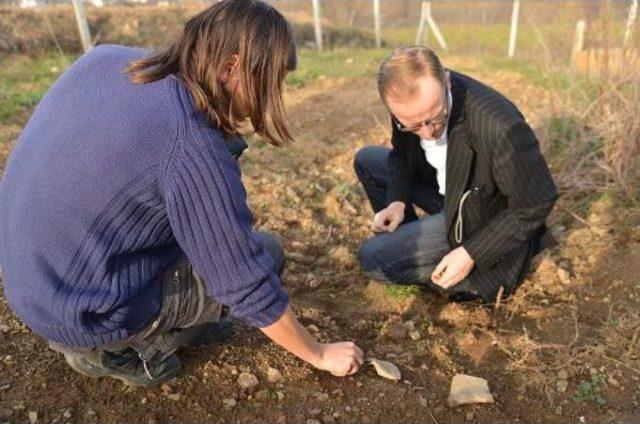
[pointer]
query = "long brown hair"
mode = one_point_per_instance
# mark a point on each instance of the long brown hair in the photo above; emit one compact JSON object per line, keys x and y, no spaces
{"x":262,"y":40}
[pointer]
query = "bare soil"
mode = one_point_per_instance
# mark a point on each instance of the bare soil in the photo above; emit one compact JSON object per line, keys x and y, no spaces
{"x":565,"y":348}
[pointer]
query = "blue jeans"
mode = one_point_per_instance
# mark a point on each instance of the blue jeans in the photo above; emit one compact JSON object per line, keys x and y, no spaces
{"x":409,"y":254}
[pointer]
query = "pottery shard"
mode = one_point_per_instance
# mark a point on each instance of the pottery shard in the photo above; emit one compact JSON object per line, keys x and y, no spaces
{"x":468,"y":389}
{"x":386,"y":369}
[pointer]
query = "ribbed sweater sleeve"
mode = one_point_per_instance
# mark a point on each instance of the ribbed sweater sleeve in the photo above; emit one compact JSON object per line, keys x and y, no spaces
{"x":207,"y":209}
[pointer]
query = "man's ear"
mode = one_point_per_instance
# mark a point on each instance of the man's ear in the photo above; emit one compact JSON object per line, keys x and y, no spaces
{"x":447,"y":77}
{"x":228,"y":69}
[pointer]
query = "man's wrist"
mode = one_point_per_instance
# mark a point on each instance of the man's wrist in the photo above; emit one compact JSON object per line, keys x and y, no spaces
{"x":398,"y":205}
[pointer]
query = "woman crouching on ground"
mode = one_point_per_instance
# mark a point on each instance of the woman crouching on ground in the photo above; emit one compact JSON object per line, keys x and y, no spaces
{"x":125,"y":227}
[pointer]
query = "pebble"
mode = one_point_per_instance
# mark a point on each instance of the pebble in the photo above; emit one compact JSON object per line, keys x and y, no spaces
{"x":314,"y":283}
{"x":563,"y":375}
{"x":262,"y":395}
{"x":313,"y":328}
{"x":281,"y":420}
{"x":415,"y":335}
{"x":328,"y":419}
{"x":322,"y":397}
{"x":174,"y":396}
{"x":247,"y":381}
{"x":396,"y":331}
{"x":67,"y":414}
{"x":33,"y":417}
{"x":273,"y":375}
{"x":469,"y":416}
{"x":229,"y":403}
{"x":4,"y":328}
{"x":562,"y":386}
{"x":315,"y":411}
{"x":559,"y":410}
{"x":564,"y":276}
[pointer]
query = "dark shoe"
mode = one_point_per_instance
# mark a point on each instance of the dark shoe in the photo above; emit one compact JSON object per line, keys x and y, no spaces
{"x":127,"y":366}
{"x":216,"y":332}
{"x":465,"y":297}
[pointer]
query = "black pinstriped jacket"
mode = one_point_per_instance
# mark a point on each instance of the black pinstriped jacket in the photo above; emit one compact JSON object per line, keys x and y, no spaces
{"x":493,"y":155}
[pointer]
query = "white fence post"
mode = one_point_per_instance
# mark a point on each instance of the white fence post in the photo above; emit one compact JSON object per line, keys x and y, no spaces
{"x":514,"y":28}
{"x":376,"y":22}
{"x":317,"y":21}
{"x":423,"y":19}
{"x":435,"y":29}
{"x":578,"y":39}
{"x":633,"y":14}
{"x":83,"y":26}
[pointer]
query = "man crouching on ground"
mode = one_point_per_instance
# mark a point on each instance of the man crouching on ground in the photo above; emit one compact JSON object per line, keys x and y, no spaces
{"x":466,"y":156}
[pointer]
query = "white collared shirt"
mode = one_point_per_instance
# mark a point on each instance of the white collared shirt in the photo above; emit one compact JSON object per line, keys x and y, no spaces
{"x":436,"y":152}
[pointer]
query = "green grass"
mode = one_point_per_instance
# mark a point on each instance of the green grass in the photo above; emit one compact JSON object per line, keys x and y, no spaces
{"x":401,"y":291}
{"x":338,"y":63}
{"x":589,"y":390}
{"x":24,"y":80}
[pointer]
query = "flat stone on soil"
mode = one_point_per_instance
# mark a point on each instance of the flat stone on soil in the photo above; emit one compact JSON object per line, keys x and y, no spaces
{"x":469,"y":389}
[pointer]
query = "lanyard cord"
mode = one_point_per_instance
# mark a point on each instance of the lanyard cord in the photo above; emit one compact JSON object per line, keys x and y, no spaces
{"x":459,"y":227}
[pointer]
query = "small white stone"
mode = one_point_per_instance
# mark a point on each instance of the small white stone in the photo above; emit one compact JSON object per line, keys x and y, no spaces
{"x":33,"y":417}
{"x":229,"y":403}
{"x":273,"y":375}
{"x":247,"y":381}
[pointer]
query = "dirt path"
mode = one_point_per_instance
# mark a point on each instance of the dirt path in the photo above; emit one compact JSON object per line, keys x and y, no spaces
{"x":571,"y":327}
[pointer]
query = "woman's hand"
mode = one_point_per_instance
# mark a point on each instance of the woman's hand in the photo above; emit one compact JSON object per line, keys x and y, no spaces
{"x":340,"y":359}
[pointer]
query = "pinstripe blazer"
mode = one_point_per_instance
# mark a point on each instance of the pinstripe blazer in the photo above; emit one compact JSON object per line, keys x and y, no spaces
{"x":493,"y":162}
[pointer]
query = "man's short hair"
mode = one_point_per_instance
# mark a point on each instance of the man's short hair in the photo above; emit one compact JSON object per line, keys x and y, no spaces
{"x":398,"y":72}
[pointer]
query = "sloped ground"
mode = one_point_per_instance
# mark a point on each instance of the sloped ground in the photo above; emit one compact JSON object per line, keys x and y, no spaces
{"x":565,"y":347}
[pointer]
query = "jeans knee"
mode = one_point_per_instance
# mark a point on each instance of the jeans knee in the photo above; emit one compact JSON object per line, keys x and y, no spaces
{"x":362,"y":159}
{"x":368,"y":255}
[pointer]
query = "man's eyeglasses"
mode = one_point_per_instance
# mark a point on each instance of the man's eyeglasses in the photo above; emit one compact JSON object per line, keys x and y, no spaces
{"x":434,"y":123}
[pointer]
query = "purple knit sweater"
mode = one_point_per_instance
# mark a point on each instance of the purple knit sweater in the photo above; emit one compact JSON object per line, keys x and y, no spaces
{"x":109,"y":184}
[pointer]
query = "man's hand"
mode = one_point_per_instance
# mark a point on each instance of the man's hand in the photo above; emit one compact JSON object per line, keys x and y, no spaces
{"x":388,"y":219}
{"x":453,"y":268}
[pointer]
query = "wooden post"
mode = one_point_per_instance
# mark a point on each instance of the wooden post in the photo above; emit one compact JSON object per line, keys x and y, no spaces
{"x":376,"y":22}
{"x":605,"y":12}
{"x":631,"y":20}
{"x":423,"y":19}
{"x":435,"y":29}
{"x":514,"y":28}
{"x":83,"y":26}
{"x":317,"y":21}
{"x":578,"y":39}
